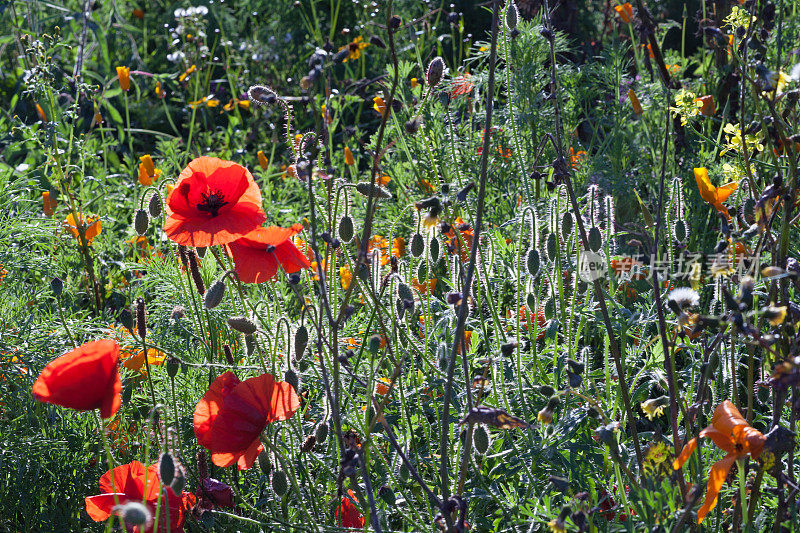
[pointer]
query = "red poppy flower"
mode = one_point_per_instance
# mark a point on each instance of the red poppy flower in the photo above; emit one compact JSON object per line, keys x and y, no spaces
{"x":230,"y":417}
{"x":213,"y":202}
{"x":84,"y":379}
{"x":258,"y":254}
{"x":135,"y":483}
{"x":347,"y":514}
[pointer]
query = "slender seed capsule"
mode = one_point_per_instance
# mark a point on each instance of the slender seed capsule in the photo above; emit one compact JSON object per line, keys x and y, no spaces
{"x":141,"y":324}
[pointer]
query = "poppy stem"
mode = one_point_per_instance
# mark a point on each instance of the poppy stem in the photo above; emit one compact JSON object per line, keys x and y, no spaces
{"x":742,"y":463}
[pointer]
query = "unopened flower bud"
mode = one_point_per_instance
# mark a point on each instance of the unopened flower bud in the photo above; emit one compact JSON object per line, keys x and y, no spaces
{"x":214,"y":295}
{"x":134,"y":514}
{"x":242,"y":325}
{"x":141,"y":324}
{"x":166,"y":468}
{"x":172,"y":365}
{"x":194,"y":270}
{"x":141,"y":221}
{"x":57,"y":286}
{"x":512,"y":15}
{"x":228,"y":354}
{"x":435,"y":71}
{"x":154,"y":206}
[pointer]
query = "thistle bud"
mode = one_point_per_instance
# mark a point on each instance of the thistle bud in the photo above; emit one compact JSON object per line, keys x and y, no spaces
{"x":242,"y":325}
{"x":435,"y":71}
{"x":57,"y":286}
{"x":166,"y":468}
{"x":214,"y":294}
{"x":154,"y":206}
{"x":141,"y":324}
{"x":141,"y":221}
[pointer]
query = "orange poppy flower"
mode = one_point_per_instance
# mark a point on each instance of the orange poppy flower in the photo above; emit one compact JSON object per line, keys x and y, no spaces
{"x":576,"y":157}
{"x":40,"y":113}
{"x":84,"y":379}
{"x":625,"y":12}
{"x":713,"y":195}
{"x":379,"y":105}
{"x":213,"y":202}
{"x":706,"y":105}
{"x":258,"y":254}
{"x":138,"y":13}
{"x":345,"y":277}
{"x":124,"y":77}
{"x":733,"y":435}
{"x":93,"y":227}
{"x":347,"y":514}
{"x":349,"y":160}
{"x":635,"y":103}
{"x":461,"y":85}
{"x":398,"y":247}
{"x":135,"y":483}
{"x":467,"y":236}
{"x":263,"y":162}
{"x":136,"y":362}
{"x":48,"y":204}
{"x":424,"y":287}
{"x":230,"y":417}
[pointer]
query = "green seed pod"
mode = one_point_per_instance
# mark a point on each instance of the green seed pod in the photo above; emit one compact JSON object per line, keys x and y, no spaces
{"x":214,"y":294}
{"x":434,"y":249}
{"x":346,"y":229}
{"x":417,"y":245}
{"x":321,"y":432}
{"x":292,"y":379}
{"x":280,"y":483}
{"x":242,"y":325}
{"x":480,"y":438}
{"x":552,"y":247}
{"x":566,"y":224}
{"x":532,"y":261}
{"x":141,"y":221}
{"x":249,"y":344}
{"x":595,"y":239}
{"x":166,"y":468}
{"x":154,"y":205}
{"x":378,"y":192}
{"x":300,"y":341}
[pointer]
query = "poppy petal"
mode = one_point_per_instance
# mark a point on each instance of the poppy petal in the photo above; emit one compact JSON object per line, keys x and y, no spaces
{"x":724,"y":191}
{"x":751,"y":439}
{"x":723,"y":441}
{"x":291,"y":259}
{"x":719,"y":471}
{"x":128,"y":479}
{"x":347,"y":514}
{"x":707,"y":191}
{"x":248,"y":458}
{"x":255,"y":264}
{"x":100,"y":507}
{"x":84,"y":379}
{"x":687,"y":451}
{"x":203,"y":231}
{"x":209,"y":405}
{"x":726,"y":417}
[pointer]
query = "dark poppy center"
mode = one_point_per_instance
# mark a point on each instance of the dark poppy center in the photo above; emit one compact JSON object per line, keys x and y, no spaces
{"x":212,"y":202}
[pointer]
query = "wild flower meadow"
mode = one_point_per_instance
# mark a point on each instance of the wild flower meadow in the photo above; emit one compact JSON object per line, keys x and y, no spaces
{"x":399,"y":266}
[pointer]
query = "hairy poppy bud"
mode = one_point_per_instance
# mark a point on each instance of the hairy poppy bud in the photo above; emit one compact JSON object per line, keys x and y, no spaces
{"x":300,"y":341}
{"x":480,"y":438}
{"x":194,"y":270}
{"x":141,"y":221}
{"x":512,"y":15}
{"x":249,"y":344}
{"x":242,"y":325}
{"x":366,"y":188}
{"x":346,"y":230}
{"x":125,"y":318}
{"x":321,"y":432}
{"x":214,"y":294}
{"x":412,"y":126}
{"x":292,"y":379}
{"x":264,"y":463}
{"x":374,"y":344}
{"x":546,"y":390}
{"x":172,"y":365}
{"x":166,"y":468}
{"x":280,"y":483}
{"x":508,"y":348}
{"x":57,"y":286}
{"x":154,"y":205}
{"x":141,"y":324}
{"x":417,"y":245}
{"x":262,"y":95}
{"x":394,"y":22}
{"x":435,"y":71}
{"x":386,"y":494}
{"x":134,"y":514}
{"x":179,"y":482}
{"x":377,"y":41}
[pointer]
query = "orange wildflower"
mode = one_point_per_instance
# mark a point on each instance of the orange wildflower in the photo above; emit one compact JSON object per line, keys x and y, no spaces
{"x":345,"y":277}
{"x":637,"y":106}
{"x":93,"y":226}
{"x":48,"y":204}
{"x":706,"y":105}
{"x":713,"y":195}
{"x":398,"y":247}
{"x":188,"y":72}
{"x":379,"y":105}
{"x":124,"y":77}
{"x":576,"y":157}
{"x":625,"y":12}
{"x":424,"y":287}
{"x":40,"y":112}
{"x":461,"y":85}
{"x":263,"y":162}
{"x":733,"y":435}
{"x":138,"y":13}
{"x":349,"y":160}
